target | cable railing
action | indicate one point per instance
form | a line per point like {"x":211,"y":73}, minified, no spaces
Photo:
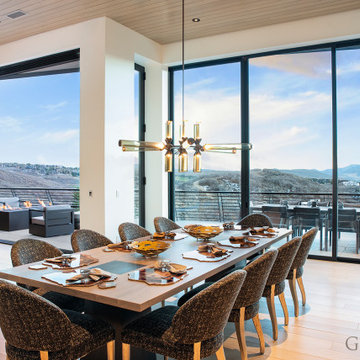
{"x":225,"y":205}
{"x":191,"y":205}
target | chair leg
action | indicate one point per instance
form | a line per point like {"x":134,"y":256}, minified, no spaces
{"x":125,"y":351}
{"x":285,"y":309}
{"x":271,"y":307}
{"x":110,"y":350}
{"x":260,"y":333}
{"x":292,"y":284}
{"x":240,"y":333}
{"x":44,"y":355}
{"x":302,"y":290}
{"x":220,"y":354}
{"x":197,"y":349}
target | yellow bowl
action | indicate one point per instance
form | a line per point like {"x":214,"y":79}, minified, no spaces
{"x":150,"y":248}
{"x":203,"y":232}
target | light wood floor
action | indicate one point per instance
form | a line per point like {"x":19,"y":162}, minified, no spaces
{"x":330,"y":317}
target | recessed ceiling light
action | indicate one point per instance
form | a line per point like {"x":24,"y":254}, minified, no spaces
{"x":16,"y":14}
{"x":196,"y":20}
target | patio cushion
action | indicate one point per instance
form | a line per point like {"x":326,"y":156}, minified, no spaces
{"x":39,"y":220}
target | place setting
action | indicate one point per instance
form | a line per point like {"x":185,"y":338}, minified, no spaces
{"x":207,"y":253}
{"x":163,"y":272}
{"x":69,"y":261}
{"x":82,"y":277}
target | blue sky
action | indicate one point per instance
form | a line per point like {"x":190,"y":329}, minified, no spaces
{"x":39,"y":119}
{"x":290,"y":109}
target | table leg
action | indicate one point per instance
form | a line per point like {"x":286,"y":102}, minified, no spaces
{"x":118,"y":318}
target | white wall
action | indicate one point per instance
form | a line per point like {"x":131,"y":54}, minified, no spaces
{"x":335,"y":27}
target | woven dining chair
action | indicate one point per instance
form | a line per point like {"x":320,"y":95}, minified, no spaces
{"x":193,"y":331}
{"x":297,"y":268}
{"x":34,"y":328}
{"x":84,"y":239}
{"x":164,"y":224}
{"x":26,"y":251}
{"x":129,"y":231}
{"x":246,"y":305}
{"x":253,"y":220}
{"x":275,"y":284}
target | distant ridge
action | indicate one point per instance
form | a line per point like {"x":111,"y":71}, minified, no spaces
{"x":351,"y":172}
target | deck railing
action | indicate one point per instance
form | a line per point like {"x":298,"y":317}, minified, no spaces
{"x":190,"y":205}
{"x":58,"y":196}
{"x":225,"y":205}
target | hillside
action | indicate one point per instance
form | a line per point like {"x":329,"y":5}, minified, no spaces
{"x":34,"y":175}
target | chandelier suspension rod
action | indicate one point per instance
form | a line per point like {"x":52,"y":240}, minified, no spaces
{"x":183,"y":57}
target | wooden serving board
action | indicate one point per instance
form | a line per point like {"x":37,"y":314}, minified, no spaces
{"x":203,"y":256}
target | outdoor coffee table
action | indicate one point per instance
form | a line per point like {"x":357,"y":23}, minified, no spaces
{"x":16,"y":219}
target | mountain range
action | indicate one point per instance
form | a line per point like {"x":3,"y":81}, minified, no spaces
{"x":351,"y":172}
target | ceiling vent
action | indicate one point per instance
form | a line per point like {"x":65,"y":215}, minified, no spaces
{"x":16,"y":14}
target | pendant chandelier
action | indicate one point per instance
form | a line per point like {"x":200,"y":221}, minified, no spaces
{"x":184,"y":142}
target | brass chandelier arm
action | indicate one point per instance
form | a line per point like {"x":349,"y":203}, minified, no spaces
{"x":227,"y":147}
{"x":136,"y":145}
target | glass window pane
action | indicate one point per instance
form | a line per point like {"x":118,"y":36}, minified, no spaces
{"x":348,"y":86}
{"x":212,"y":98}
{"x":290,"y":129}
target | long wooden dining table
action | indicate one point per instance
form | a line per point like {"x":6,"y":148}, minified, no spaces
{"x":129,"y":299}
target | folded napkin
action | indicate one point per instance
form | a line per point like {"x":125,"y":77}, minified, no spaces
{"x":124,"y":245}
{"x":214,"y":250}
{"x":63,"y":259}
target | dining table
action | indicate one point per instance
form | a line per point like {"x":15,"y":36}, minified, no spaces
{"x":130,"y":299}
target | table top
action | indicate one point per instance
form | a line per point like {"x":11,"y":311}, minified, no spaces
{"x":138,"y":296}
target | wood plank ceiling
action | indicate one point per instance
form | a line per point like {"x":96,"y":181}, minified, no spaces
{"x":160,"y":20}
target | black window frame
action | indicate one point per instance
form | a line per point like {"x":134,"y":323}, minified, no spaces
{"x":142,"y":130}
{"x":243,"y":60}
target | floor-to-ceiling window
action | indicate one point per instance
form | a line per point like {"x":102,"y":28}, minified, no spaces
{"x":301,"y":112}
{"x":212,"y":100}
{"x":348,"y":109}
{"x":290,"y":129}
{"x":40,"y":127}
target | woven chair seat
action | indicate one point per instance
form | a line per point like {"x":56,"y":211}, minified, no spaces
{"x":299,"y":273}
{"x":279,"y":289}
{"x":250,"y":312}
{"x":148,"y":333}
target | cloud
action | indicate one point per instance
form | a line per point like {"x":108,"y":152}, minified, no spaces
{"x":314,"y":64}
{"x":9,"y":123}
{"x":52,"y":107}
{"x":59,"y":137}
{"x":275,"y":108}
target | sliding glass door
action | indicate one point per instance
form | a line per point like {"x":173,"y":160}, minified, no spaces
{"x":290,"y":129}
{"x":348,"y":96}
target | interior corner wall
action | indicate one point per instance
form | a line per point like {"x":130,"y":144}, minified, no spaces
{"x":123,"y":48}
